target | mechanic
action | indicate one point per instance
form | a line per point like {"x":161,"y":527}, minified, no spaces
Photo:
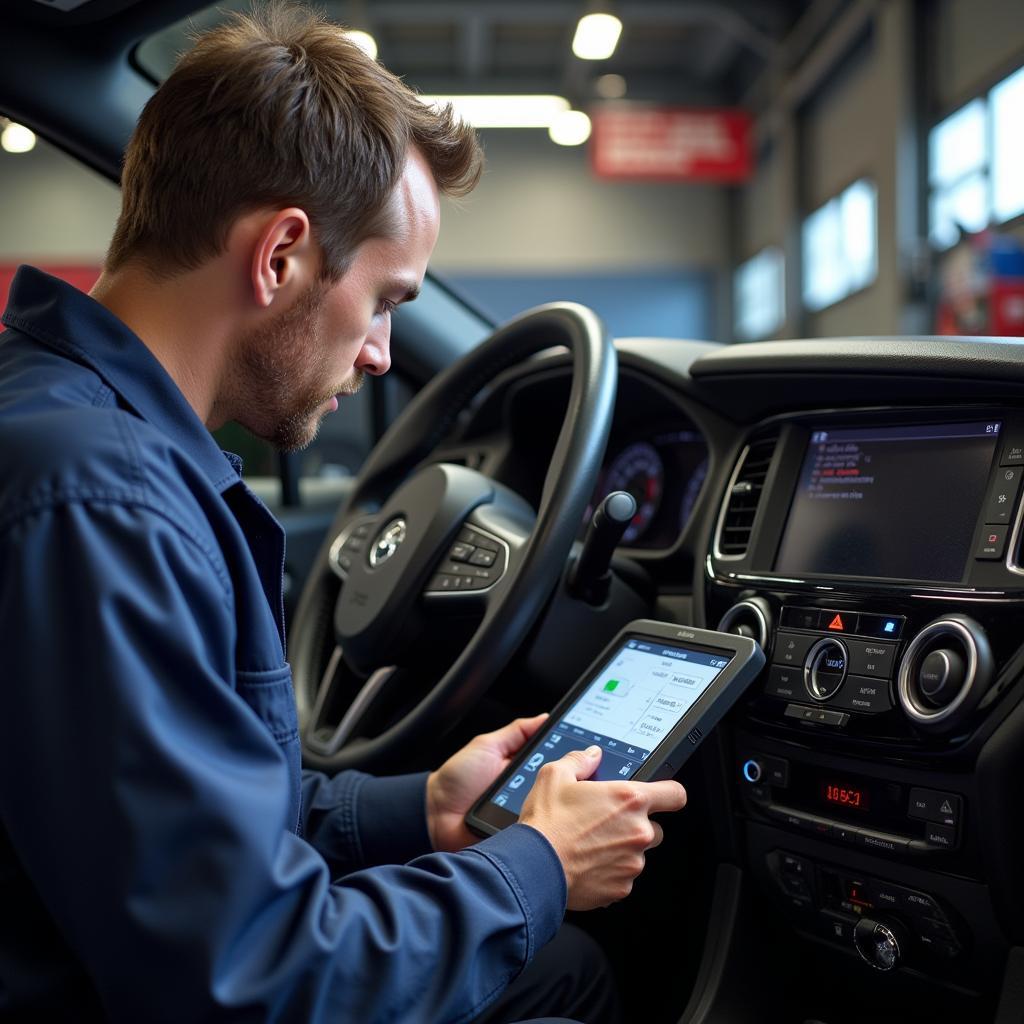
{"x":162,"y":855}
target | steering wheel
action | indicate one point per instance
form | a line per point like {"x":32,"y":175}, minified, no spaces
{"x":418,"y":540}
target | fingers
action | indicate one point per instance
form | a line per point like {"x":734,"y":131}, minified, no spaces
{"x":663,"y":796}
{"x":510,"y":738}
{"x":582,"y":763}
{"x":659,"y":835}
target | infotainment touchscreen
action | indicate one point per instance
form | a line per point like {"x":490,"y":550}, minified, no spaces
{"x":888,"y":502}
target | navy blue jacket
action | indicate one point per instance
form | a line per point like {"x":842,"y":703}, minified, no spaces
{"x":162,"y":854}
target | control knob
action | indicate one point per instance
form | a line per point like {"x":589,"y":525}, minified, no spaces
{"x":882,"y":942}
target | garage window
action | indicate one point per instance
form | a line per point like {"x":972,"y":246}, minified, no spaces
{"x":840,"y":246}
{"x":975,"y":157}
{"x":759,"y":295}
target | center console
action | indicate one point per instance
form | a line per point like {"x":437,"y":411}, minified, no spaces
{"x":876,"y":557}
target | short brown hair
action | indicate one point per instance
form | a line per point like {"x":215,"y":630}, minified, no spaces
{"x":277,"y":107}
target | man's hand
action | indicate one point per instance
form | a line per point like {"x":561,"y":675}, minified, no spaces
{"x":599,"y":830}
{"x":462,"y":779}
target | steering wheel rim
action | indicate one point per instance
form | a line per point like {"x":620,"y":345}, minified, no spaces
{"x":539,"y":558}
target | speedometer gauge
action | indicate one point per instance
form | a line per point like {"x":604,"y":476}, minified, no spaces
{"x":638,"y":470}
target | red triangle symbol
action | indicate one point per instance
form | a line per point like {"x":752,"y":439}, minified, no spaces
{"x":837,"y":623}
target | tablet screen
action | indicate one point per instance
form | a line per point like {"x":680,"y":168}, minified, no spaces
{"x":628,"y":708}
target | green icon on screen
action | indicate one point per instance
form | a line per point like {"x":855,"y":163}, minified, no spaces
{"x":609,"y":687}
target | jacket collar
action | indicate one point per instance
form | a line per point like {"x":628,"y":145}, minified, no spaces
{"x":76,"y":326}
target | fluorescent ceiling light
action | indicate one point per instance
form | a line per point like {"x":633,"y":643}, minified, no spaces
{"x":16,"y":138}
{"x":596,"y":36}
{"x":364,"y":41}
{"x":504,"y":111}
{"x":570,"y":128}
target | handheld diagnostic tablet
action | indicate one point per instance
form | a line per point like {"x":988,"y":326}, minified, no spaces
{"x":648,"y":700}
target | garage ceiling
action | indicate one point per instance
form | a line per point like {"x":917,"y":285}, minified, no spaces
{"x":671,"y":51}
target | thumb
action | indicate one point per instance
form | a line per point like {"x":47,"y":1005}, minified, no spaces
{"x":510,"y":738}
{"x":583,"y":763}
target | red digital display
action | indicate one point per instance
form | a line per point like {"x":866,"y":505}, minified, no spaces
{"x":841,"y":795}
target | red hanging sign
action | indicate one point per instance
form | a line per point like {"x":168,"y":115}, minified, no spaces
{"x":671,"y":144}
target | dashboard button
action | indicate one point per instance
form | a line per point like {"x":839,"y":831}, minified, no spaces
{"x":801,"y":618}
{"x":991,"y":543}
{"x":933,"y":805}
{"x":865,"y":694}
{"x":1003,"y":495}
{"x":776,"y":771}
{"x":920,"y":903}
{"x":885,"y":895}
{"x":885,"y":627}
{"x":941,"y":836}
{"x":839,"y":622}
{"x":1013,"y":452}
{"x":787,"y":683}
{"x":792,"y":648}
{"x":870,"y":659}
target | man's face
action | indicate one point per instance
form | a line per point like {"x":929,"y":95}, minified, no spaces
{"x":294,"y":369}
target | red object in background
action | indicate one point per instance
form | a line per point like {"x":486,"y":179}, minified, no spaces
{"x":982,"y":287}
{"x":81,"y":276}
{"x":671,"y":144}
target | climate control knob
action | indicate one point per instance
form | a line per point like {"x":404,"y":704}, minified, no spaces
{"x":882,"y":942}
{"x":825,"y":668}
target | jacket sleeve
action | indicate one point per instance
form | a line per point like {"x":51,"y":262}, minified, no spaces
{"x":355,"y":820}
{"x":149,"y":806}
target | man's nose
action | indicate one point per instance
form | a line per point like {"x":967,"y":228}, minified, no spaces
{"x":375,"y":355}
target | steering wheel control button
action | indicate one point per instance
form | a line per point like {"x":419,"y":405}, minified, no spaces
{"x":791,"y":648}
{"x":786,"y":683}
{"x":825,"y":668}
{"x":869,"y":659}
{"x":932,"y":805}
{"x":865,"y":694}
{"x":349,"y":543}
{"x":473,"y":563}
{"x":991,"y":544}
{"x":752,"y":770}
{"x":478,"y":540}
{"x":800,"y":618}
{"x":461,"y":552}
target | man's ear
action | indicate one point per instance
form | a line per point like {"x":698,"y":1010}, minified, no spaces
{"x":285,"y":258}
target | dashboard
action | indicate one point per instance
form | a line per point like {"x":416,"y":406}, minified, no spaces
{"x":855,"y":507}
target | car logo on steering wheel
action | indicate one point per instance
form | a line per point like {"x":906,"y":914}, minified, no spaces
{"x":387,"y":542}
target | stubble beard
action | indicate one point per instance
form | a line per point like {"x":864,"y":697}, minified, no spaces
{"x":282,"y":367}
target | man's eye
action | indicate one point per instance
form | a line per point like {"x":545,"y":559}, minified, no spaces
{"x":387,"y":307}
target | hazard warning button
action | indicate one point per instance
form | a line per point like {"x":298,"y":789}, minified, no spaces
{"x":931,"y":805}
{"x":839,"y":622}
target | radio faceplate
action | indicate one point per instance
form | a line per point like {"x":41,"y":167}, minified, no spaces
{"x":877,"y":815}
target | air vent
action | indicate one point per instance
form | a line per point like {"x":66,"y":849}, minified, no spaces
{"x":744,"y":494}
